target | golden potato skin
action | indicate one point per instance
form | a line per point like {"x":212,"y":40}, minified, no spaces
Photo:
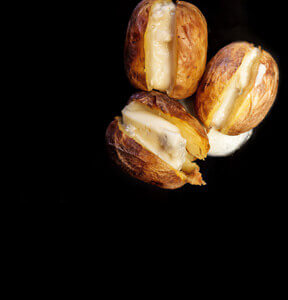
{"x":219,"y":71}
{"x":134,"y":54}
{"x":144,"y":165}
{"x":192,"y":43}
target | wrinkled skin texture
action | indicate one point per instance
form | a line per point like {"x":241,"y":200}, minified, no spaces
{"x":258,"y":100}
{"x":142,"y":164}
{"x":191,"y":44}
{"x":134,"y":55}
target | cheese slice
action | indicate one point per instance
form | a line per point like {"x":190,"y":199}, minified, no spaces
{"x":155,"y":134}
{"x":236,"y":88}
{"x":160,"y":59}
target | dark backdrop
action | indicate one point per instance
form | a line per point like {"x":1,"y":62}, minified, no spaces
{"x":258,"y":169}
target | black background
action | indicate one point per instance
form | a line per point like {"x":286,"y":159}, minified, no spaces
{"x":258,"y":169}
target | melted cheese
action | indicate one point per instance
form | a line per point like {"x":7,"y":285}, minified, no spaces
{"x":224,"y":145}
{"x":159,"y":50}
{"x":235,"y":89}
{"x":260,"y":74}
{"x":155,"y":133}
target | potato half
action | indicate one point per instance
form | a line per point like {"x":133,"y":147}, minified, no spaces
{"x":238,"y":88}
{"x":166,"y":47}
{"x":156,"y":141}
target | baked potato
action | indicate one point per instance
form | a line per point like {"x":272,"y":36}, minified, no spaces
{"x":238,"y":88}
{"x":166,"y":47}
{"x":157,"y":141}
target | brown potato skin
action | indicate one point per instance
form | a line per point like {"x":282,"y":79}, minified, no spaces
{"x":134,"y":54}
{"x":191,"y":41}
{"x":218,"y":73}
{"x":144,"y":165}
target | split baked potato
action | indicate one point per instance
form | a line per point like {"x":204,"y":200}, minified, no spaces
{"x":238,"y":88}
{"x":166,"y":47}
{"x":157,"y":141}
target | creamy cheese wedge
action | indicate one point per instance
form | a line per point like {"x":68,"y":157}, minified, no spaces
{"x":160,"y":46}
{"x":155,"y":134}
{"x":236,"y":88}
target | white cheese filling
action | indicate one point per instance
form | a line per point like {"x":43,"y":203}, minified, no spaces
{"x":260,"y":74}
{"x":224,"y":145}
{"x":155,"y":133}
{"x":159,"y":55}
{"x":235,"y":89}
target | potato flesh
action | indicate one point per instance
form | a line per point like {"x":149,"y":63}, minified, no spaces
{"x":224,"y":145}
{"x":160,"y":57}
{"x":155,"y":134}
{"x":235,"y":89}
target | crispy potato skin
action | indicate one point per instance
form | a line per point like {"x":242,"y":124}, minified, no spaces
{"x":134,"y":54}
{"x":192,"y":43}
{"x":159,"y":101}
{"x":144,"y":165}
{"x":219,"y":71}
